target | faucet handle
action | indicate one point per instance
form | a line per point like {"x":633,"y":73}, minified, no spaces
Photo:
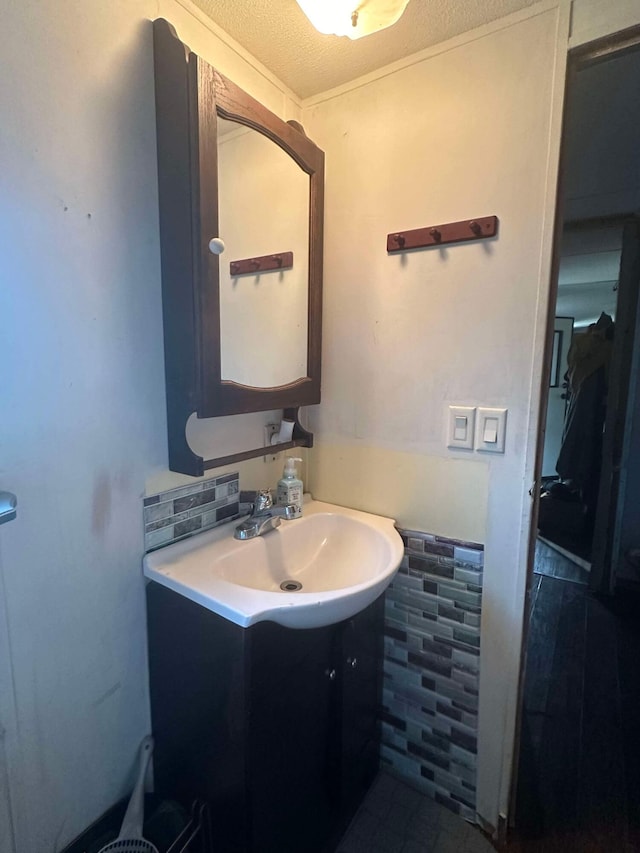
{"x":263,"y":500}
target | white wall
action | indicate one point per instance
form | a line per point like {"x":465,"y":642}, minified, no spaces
{"x":470,"y":129}
{"x":82,"y":387}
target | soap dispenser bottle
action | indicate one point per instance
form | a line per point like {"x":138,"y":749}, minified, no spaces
{"x":290,"y":486}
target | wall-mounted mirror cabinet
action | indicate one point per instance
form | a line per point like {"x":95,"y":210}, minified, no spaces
{"x":242,"y":329}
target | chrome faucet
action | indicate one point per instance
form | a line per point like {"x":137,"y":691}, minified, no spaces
{"x":264,"y":517}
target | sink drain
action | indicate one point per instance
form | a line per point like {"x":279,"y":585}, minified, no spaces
{"x":290,"y":586}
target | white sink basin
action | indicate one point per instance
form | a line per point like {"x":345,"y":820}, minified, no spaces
{"x":343,"y":558}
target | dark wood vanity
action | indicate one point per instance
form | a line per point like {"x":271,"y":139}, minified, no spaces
{"x":276,"y":728}
{"x":198,"y":109}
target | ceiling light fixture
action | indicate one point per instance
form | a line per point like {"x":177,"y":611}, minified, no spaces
{"x":352,"y":18}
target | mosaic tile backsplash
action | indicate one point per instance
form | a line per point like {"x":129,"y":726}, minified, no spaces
{"x":187,"y":510}
{"x":431,"y":668}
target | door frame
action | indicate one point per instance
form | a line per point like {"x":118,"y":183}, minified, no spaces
{"x":602,"y":577}
{"x":8,"y":722}
{"x":577,"y":58}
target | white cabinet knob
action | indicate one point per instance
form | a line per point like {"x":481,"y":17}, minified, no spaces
{"x":216,"y":246}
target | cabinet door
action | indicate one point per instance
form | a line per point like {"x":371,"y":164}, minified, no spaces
{"x":198,"y":699}
{"x":294,"y":738}
{"x":361,"y":652}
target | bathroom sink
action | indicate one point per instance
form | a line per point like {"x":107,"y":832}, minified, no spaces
{"x":315,"y":570}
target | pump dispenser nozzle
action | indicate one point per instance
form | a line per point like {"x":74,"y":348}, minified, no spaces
{"x":290,"y":466}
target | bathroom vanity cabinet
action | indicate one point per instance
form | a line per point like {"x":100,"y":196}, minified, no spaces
{"x":276,"y":728}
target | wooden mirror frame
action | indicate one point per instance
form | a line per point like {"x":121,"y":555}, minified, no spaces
{"x":190,"y":95}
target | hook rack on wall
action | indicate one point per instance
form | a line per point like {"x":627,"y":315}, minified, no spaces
{"x":265,"y":263}
{"x":439,"y":235}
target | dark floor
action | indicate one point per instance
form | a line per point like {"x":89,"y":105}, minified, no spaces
{"x":395,"y":818}
{"x":579,"y":772}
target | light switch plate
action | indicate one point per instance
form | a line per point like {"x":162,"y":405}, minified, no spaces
{"x":461,"y":427}
{"x":491,"y":430}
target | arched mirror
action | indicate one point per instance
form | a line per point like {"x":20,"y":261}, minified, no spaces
{"x":263,"y":212}
{"x":242,"y":329}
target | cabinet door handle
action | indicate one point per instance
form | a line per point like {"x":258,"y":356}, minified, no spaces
{"x":353,"y":662}
{"x":331,"y":674}
{"x":8,"y":505}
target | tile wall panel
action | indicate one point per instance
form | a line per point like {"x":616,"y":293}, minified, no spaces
{"x":431,"y":668}
{"x":187,"y":510}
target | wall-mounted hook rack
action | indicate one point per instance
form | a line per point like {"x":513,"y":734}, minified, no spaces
{"x":479,"y":228}
{"x":265,"y":263}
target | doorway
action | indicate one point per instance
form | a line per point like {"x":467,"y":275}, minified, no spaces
{"x":577,"y":774}
{"x":583,"y":341}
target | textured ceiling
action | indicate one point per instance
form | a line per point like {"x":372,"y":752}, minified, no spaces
{"x":278,"y":34}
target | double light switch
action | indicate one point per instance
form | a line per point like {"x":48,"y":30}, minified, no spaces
{"x":482,"y":428}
